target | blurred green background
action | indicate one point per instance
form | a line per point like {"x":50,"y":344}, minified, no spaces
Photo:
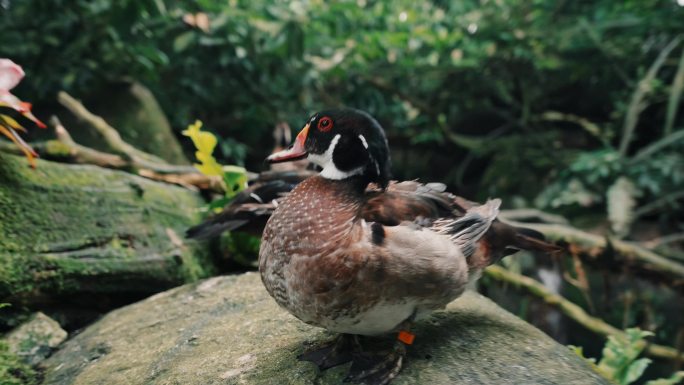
{"x":573,"y":107}
{"x":467,"y":90}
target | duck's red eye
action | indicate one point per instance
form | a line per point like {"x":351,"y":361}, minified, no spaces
{"x":325,"y":124}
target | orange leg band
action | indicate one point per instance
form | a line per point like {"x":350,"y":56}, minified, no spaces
{"x":406,"y":337}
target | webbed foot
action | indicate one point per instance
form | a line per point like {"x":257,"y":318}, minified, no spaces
{"x":377,"y":368}
{"x":337,"y":352}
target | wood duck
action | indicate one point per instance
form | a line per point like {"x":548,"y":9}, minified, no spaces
{"x":354,"y":253}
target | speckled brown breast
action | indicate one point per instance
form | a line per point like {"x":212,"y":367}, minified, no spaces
{"x":309,"y":252}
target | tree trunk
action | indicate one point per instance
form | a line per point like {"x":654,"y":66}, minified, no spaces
{"x":74,"y":229}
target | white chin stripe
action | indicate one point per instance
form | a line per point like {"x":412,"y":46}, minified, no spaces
{"x":325,"y":160}
{"x":363,"y":140}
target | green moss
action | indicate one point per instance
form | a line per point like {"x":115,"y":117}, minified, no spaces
{"x":57,"y":148}
{"x":63,"y":226}
{"x":13,"y":371}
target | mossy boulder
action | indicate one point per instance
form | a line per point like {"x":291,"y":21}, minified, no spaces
{"x":34,"y":340}
{"x":83,"y":230}
{"x":227,"y":330}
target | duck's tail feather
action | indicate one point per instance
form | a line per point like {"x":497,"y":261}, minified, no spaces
{"x":467,"y":230}
{"x":533,"y":240}
{"x":504,"y":240}
{"x":213,"y":227}
{"x":248,"y":217}
{"x":248,"y":211}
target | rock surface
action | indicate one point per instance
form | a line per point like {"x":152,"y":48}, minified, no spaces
{"x":227,"y":330}
{"x":34,"y":340}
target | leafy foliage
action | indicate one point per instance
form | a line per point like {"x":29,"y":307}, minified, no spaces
{"x":205,"y":142}
{"x":240,"y":247}
{"x":619,"y":361}
{"x":650,"y":175}
{"x":234,"y":177}
{"x":479,"y":76}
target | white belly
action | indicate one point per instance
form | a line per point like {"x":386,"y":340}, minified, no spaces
{"x":380,"y":319}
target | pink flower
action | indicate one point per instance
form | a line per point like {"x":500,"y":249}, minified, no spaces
{"x":10,"y":75}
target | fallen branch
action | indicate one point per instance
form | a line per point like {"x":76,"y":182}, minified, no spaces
{"x":82,"y":154}
{"x":139,"y":159}
{"x":142,"y":163}
{"x":665,"y":239}
{"x":65,"y":149}
{"x":108,"y":133}
{"x":588,"y":126}
{"x":520,"y":215}
{"x":190,"y":180}
{"x":659,"y":203}
{"x":643,"y":262}
{"x":574,"y":311}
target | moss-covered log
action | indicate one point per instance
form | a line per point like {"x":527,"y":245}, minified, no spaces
{"x":67,"y":229}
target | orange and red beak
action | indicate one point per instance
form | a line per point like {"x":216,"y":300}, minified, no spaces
{"x":294,"y":152}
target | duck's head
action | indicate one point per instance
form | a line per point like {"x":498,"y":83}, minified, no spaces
{"x":345,"y":143}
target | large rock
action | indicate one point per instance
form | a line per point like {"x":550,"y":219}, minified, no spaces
{"x":227,"y":330}
{"x":34,"y":340}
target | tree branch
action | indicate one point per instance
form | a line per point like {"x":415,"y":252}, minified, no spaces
{"x":64,"y":148}
{"x":522,"y":214}
{"x":593,"y":248}
{"x":574,"y":311}
{"x":139,"y":159}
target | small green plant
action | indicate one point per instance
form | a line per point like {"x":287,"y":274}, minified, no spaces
{"x":240,"y":247}
{"x":234,"y":177}
{"x":620,"y":362}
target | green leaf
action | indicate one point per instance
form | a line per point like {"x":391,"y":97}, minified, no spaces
{"x":218,"y":204}
{"x":183,"y":41}
{"x":205,"y":142}
{"x":619,"y":355}
{"x":635,"y":370}
{"x":235,"y":179}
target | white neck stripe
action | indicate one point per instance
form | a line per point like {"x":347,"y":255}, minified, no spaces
{"x":325,"y":160}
